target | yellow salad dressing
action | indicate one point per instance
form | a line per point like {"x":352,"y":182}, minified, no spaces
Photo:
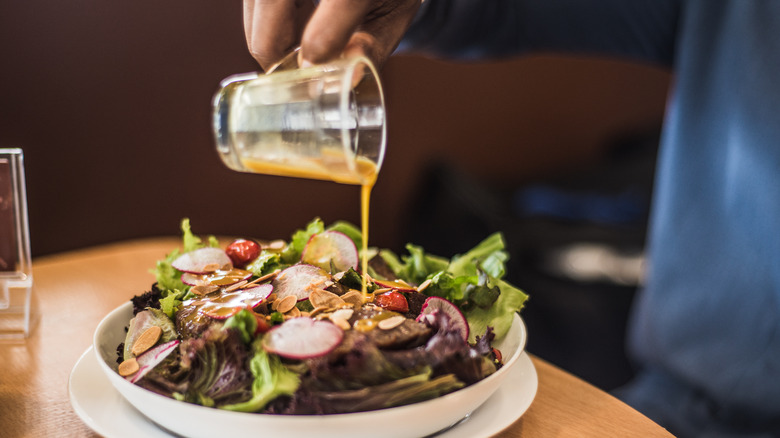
{"x":332,"y":166}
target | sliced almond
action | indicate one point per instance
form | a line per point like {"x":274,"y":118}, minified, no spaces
{"x":269,"y":276}
{"x":128,"y":367}
{"x":286,"y":304}
{"x":354,"y":297}
{"x":323,"y":298}
{"x":383,"y":290}
{"x":147,"y":340}
{"x":204,"y":289}
{"x":236,"y":286}
{"x":211,"y":267}
{"x":294,"y":313}
{"x":253,"y":282}
{"x":391,"y":323}
{"x":341,"y":323}
{"x":424,"y":285}
{"x":318,"y":310}
{"x":275,"y":303}
{"x":344,"y":314}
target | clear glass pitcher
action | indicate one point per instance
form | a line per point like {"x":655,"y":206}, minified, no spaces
{"x":324,"y":122}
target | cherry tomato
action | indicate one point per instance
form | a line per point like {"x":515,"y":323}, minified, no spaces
{"x":497,"y":354}
{"x":242,"y":251}
{"x":262,"y":324}
{"x":393,"y":301}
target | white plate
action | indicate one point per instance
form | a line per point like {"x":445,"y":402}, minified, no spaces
{"x":106,"y":412}
{"x":192,"y":420}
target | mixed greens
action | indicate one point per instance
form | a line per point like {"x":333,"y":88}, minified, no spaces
{"x":294,"y":327}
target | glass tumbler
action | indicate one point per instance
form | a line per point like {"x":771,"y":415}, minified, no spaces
{"x":323,"y":122}
{"x":15,"y":263}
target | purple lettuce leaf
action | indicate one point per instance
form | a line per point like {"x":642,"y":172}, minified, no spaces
{"x":217,"y":368}
{"x":447,"y":353}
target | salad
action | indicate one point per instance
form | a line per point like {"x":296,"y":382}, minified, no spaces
{"x":293,"y":327}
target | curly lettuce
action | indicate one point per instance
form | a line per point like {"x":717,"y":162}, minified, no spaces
{"x":168,"y":277}
{"x":172,"y":289}
{"x":472,"y":280}
{"x":292,"y":253}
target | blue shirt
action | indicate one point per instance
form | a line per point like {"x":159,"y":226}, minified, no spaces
{"x":708,"y":319}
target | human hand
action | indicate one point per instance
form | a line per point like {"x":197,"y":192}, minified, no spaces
{"x":372,"y":28}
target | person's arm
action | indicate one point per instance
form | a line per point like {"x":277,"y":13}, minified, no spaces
{"x":460,"y":28}
{"x":471,"y":29}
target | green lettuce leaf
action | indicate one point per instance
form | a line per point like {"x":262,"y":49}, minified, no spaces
{"x":243,"y":322}
{"x":452,"y":288}
{"x":500,"y":315}
{"x":171,"y":301}
{"x":292,"y":254}
{"x":190,"y":241}
{"x":265,"y":263}
{"x":415,"y":267}
{"x":392,"y":260}
{"x":489,"y":255}
{"x":168,"y":277}
{"x":472,"y":281}
{"x":350,"y":230}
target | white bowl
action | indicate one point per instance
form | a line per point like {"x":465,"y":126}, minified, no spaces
{"x":415,"y":420}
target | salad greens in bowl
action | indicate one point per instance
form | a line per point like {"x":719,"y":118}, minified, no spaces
{"x":292,"y":336}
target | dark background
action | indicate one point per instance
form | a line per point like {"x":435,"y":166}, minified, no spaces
{"x":110,"y":101}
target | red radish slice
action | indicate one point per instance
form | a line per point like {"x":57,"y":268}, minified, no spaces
{"x":228,"y":304}
{"x":216,"y":278}
{"x":303,"y":338}
{"x":396,"y":284}
{"x":300,"y":280}
{"x":199,"y":260}
{"x":151,"y":358}
{"x":438,"y":304}
{"x":331,"y":247}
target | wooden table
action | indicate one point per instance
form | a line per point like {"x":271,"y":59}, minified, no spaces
{"x":74,"y":291}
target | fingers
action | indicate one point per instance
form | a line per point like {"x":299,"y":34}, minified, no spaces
{"x":353,"y":27}
{"x":357,"y":27}
{"x":379,"y":36}
{"x":331,"y":27}
{"x":272,"y":28}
